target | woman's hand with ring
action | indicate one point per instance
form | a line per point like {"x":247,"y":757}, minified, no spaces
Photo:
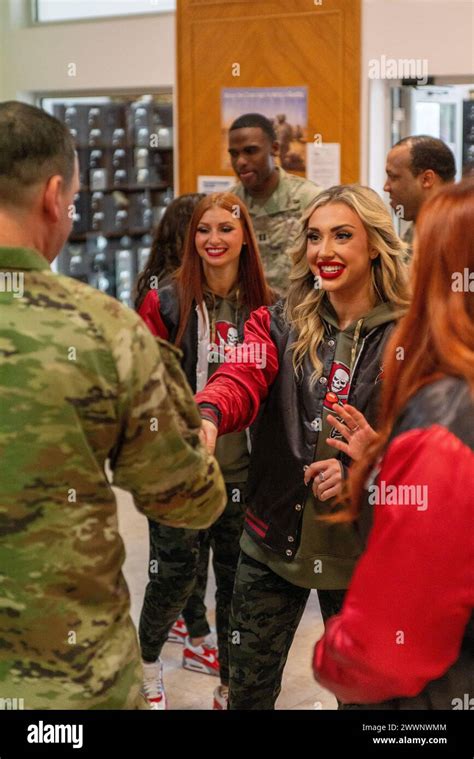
{"x":327,"y":478}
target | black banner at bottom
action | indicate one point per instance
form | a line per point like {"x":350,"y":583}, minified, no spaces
{"x":61,"y":734}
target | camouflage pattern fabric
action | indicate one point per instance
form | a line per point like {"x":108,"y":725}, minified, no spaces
{"x":266,"y":611}
{"x":276,"y":223}
{"x":174,"y":558}
{"x":81,"y":376}
{"x":194,"y":612}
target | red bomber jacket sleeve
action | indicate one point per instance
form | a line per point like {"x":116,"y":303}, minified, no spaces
{"x":239,"y":386}
{"x":150,"y":313}
{"x":412,"y":592}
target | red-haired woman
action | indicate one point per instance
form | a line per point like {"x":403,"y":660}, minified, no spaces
{"x":404,"y":638}
{"x":202,"y":311}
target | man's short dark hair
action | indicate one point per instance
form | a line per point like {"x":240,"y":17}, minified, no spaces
{"x":430,"y":153}
{"x":255,"y":120}
{"x":33,"y":147}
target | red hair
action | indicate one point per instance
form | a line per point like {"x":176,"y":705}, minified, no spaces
{"x":435,"y":338}
{"x":190,"y":275}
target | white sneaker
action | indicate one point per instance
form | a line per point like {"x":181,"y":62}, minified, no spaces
{"x":203,"y":658}
{"x":178,"y":632}
{"x":152,"y":686}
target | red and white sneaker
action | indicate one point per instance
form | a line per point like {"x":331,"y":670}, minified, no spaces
{"x":152,"y":686}
{"x":178,"y":633}
{"x":221,"y":698}
{"x":202,"y":658}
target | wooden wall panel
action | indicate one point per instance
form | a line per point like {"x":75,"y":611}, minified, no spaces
{"x":277,"y":44}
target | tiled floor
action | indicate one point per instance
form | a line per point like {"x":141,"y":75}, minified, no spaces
{"x":189,"y":690}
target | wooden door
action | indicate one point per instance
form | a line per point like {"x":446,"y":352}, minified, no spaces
{"x":266,"y":43}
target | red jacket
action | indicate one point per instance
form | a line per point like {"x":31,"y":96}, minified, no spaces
{"x":406,"y":616}
{"x":150,"y":313}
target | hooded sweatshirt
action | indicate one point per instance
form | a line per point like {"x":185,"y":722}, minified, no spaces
{"x":232,"y":451}
{"x":333,"y":548}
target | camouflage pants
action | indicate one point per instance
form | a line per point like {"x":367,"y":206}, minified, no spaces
{"x":266,"y":611}
{"x":174,"y":562}
{"x":194,"y":612}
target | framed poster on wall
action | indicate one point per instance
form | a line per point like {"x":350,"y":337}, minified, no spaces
{"x":286,"y":107}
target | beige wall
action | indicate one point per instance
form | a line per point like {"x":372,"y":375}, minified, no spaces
{"x":442,"y":31}
{"x":127,"y":53}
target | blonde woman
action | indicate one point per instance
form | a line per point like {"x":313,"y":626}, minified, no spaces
{"x":322,"y":347}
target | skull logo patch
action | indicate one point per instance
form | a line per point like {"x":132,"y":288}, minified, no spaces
{"x":338,"y":385}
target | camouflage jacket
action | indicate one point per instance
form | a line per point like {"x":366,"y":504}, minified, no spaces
{"x":276,"y":223}
{"x":83,"y":381}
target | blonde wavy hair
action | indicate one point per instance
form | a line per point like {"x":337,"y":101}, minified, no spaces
{"x":389,"y":273}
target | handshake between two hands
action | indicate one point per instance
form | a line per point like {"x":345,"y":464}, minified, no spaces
{"x":208,"y":436}
{"x":327,"y":475}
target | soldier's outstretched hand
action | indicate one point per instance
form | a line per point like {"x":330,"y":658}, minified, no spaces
{"x":208,"y":435}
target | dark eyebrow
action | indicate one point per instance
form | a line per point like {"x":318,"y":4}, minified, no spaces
{"x":245,"y":147}
{"x":333,"y":229}
{"x":220,"y":223}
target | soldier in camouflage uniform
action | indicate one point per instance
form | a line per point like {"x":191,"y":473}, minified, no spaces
{"x":275,"y":199}
{"x":81,"y":381}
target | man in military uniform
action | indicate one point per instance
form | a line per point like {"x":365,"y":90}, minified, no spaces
{"x":275,"y":199}
{"x":82,"y":381}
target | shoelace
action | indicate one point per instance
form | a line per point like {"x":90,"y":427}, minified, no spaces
{"x":153,"y":686}
{"x":209,"y":643}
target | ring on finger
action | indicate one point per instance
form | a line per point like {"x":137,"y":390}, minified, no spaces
{"x":321,"y":476}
